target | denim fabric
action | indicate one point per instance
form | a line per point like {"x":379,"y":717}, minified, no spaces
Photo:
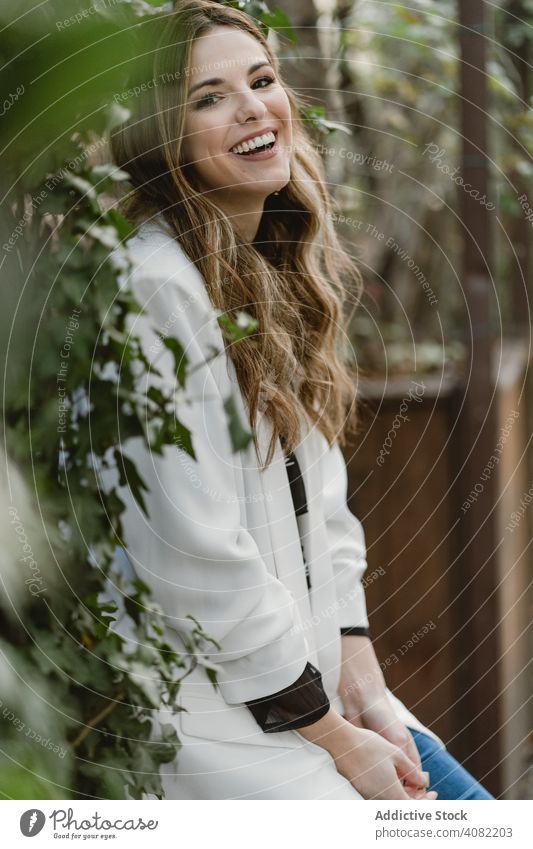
{"x":446,"y":775}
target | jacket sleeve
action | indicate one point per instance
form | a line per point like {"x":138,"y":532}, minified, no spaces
{"x":193,"y":552}
{"x":296,"y":706}
{"x":346,"y":543}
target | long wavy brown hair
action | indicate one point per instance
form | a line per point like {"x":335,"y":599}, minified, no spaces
{"x":295,"y":278}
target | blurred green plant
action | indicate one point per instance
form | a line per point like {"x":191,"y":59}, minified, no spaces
{"x":78,"y":699}
{"x":268,"y":19}
{"x":398,"y":74}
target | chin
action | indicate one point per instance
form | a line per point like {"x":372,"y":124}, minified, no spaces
{"x":267,"y":187}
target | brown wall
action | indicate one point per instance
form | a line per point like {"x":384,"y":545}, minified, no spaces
{"x":405,"y":507}
{"x":410,"y":505}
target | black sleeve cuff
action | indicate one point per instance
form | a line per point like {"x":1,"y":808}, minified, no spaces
{"x":296,"y":706}
{"x":355,"y":632}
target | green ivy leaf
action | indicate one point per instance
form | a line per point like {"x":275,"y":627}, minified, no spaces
{"x":180,"y":357}
{"x":130,"y":477}
{"x":278,"y":21}
{"x":122,"y":225}
{"x":238,"y":328}
{"x":240,"y":436}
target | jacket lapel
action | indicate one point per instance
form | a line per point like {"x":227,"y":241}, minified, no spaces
{"x":314,"y":537}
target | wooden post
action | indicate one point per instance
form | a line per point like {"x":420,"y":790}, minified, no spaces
{"x":521,"y":55}
{"x":476,"y":576}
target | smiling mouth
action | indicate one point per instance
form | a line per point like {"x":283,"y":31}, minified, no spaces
{"x":264,"y":147}
{"x":259,"y":144}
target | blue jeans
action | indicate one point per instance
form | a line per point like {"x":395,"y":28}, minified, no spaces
{"x":446,"y":775}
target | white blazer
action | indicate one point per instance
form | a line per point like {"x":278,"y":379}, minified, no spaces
{"x":221,"y":542}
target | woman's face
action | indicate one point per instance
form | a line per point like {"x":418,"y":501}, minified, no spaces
{"x":233,"y":94}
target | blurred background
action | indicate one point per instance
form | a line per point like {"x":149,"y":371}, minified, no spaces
{"x":423,"y":116}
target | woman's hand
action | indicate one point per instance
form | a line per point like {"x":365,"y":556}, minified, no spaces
{"x":379,"y":716}
{"x":379,"y":770}
{"x":363,"y":693}
{"x":376,"y":768}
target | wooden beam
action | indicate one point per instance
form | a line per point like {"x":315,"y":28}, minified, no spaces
{"x":476,"y":576}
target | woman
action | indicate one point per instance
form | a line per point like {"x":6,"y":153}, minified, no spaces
{"x":258,"y":545}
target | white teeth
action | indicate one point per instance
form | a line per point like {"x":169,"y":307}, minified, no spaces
{"x":251,"y":144}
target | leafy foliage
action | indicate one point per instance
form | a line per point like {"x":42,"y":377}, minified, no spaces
{"x":86,"y":659}
{"x":398,"y":182}
{"x":268,"y":19}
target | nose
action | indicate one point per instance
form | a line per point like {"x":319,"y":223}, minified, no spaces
{"x":248,"y":105}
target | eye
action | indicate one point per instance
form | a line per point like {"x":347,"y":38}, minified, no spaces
{"x":206,"y":100}
{"x":209,"y":99}
{"x":269,"y":81}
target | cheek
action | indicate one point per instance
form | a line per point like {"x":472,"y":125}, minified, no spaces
{"x":207,"y":137}
{"x":282,"y":107}
{"x":195,"y":146}
{"x":205,"y":150}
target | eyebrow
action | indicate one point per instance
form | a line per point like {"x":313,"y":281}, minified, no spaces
{"x":219,"y":80}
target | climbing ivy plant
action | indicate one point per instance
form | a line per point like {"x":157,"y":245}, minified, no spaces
{"x":77,"y":699}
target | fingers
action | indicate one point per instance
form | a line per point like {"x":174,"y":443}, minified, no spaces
{"x":404,"y":741}
{"x":423,"y":786}
{"x":420,"y":794}
{"x":407,"y":772}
